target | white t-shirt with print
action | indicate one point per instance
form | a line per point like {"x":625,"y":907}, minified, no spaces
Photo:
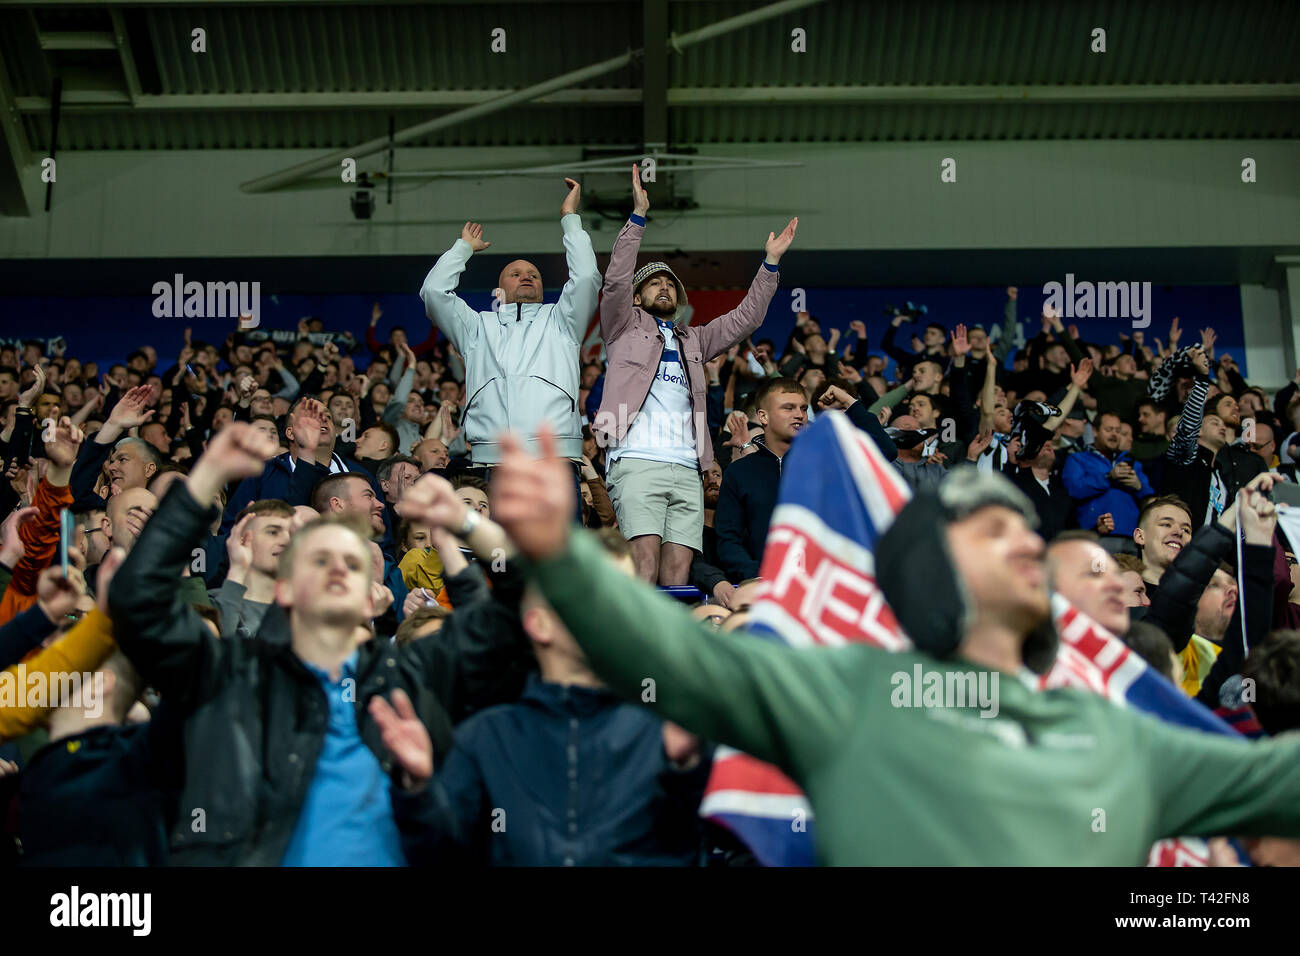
{"x":664,"y":430}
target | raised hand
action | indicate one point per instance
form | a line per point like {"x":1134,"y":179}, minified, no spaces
{"x":849,"y":373}
{"x":1200,"y":361}
{"x":738,"y":429}
{"x":241,"y":554}
{"x":472,"y":233}
{"x":640,"y":201}
{"x":247,"y":386}
{"x":570,"y":204}
{"x":57,"y":595}
{"x":132,"y":410}
{"x":836,"y":398}
{"x":405,"y":737}
{"x":532,"y":498}
{"x":979,"y":444}
{"x":308,"y":423}
{"x":1258,"y":513}
{"x":62,"y":449}
{"x":431,"y":500}
{"x":777,"y":245}
{"x":960,"y":344}
{"x":1105,"y":523}
{"x":237,"y":451}
{"x":1175,"y":333}
{"x":1208,"y":338}
{"x":375,"y":313}
{"x":449,"y":430}
{"x":860,"y":327}
{"x":28,"y":398}
{"x":12,"y":548}
{"x":1079,"y":376}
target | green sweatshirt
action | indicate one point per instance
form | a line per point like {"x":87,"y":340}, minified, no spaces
{"x":1060,"y":777}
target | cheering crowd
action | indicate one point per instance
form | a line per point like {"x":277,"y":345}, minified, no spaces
{"x":294,"y":599}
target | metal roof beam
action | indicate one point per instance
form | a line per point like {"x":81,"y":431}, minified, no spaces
{"x":958,"y":94}
{"x":112,"y":99}
{"x":97,"y":100}
{"x":77,"y":40}
{"x":332,"y":160}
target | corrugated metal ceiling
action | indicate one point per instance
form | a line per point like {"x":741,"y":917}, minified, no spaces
{"x":364,"y":48}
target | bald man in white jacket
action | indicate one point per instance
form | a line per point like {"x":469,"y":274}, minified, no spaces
{"x":521,"y":360}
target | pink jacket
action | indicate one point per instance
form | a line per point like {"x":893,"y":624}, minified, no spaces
{"x":634,"y":345}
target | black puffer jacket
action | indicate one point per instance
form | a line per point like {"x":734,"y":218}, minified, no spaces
{"x":1173,"y":609}
{"x":255,"y":718}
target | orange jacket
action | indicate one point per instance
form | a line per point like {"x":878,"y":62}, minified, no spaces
{"x":40,"y":538}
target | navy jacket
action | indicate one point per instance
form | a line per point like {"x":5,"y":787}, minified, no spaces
{"x":745,"y":504}
{"x":293,"y":485}
{"x":749,"y":493}
{"x":104,"y":797}
{"x":567,"y":776}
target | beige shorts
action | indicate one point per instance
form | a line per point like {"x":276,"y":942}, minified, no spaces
{"x":655,"y":497}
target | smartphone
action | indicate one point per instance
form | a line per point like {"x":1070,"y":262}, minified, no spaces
{"x":66,"y":530}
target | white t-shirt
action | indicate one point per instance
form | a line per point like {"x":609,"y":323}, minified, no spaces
{"x":663,"y":430}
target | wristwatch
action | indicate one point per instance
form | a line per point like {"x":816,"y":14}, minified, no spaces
{"x":472,"y":519}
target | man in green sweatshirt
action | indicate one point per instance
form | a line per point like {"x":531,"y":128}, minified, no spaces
{"x":894,"y":776}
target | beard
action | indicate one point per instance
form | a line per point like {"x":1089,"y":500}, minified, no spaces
{"x":711,"y":497}
{"x":660,"y":309}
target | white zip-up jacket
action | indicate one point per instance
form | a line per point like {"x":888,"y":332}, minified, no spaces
{"x":521,"y":363}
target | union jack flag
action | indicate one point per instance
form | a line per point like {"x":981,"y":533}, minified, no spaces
{"x":838,"y":497}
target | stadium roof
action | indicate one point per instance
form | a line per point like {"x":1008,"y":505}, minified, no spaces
{"x":331,"y":74}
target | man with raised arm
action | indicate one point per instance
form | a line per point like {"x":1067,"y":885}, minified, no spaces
{"x":285,"y":766}
{"x":653,"y":414}
{"x":521,"y":359}
{"x":1013,"y":784}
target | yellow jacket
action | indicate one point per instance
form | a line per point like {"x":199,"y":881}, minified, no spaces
{"x":81,"y":651}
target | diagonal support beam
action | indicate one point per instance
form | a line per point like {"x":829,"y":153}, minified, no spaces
{"x":13,"y":151}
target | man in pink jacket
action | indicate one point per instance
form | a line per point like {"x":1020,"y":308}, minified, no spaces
{"x":653,"y":416}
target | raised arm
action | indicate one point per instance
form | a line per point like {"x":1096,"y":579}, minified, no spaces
{"x":447,"y":310}
{"x":772,"y":701}
{"x":482,"y":655}
{"x":616,"y":309}
{"x":1182,"y":449}
{"x":157,"y":629}
{"x":1078,"y":382}
{"x":1007,"y":340}
{"x":726,"y":330}
{"x":577,"y":302}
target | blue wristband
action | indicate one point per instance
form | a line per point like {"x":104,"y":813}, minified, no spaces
{"x":768,"y":266}
{"x":639,"y":220}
